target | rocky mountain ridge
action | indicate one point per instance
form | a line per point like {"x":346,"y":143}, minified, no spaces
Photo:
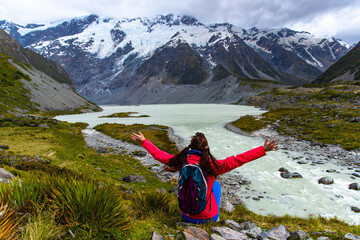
{"x":347,"y":68}
{"x":111,"y":58}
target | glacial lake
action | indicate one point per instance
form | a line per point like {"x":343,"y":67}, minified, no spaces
{"x":299,"y":197}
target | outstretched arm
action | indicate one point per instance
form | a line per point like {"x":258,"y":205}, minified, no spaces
{"x":233,"y":162}
{"x":159,"y":155}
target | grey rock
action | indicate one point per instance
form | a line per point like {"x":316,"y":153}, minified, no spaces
{"x":247,"y":225}
{"x":5,"y":176}
{"x":253,"y":232}
{"x":326,"y":180}
{"x":6,"y":147}
{"x":244,"y":182}
{"x":230,"y":234}
{"x":298,"y":235}
{"x":216,"y":237}
{"x":156,"y":236}
{"x":355,"y":174}
{"x":133,"y":178}
{"x":43,"y":126}
{"x":351,"y":236}
{"x":227,"y":205}
{"x":355,"y":209}
{"x":194,"y":233}
{"x":234,"y":225}
{"x":263,"y":235}
{"x":302,"y":162}
{"x":282,"y":169}
{"x":323,"y":238}
{"x":288,"y":175}
{"x":357,"y":119}
{"x":278,"y":233}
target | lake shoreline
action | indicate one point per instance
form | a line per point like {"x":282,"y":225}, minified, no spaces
{"x":288,"y":143}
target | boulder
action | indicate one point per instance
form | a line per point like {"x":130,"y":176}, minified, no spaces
{"x":288,"y":175}
{"x":355,"y":209}
{"x":43,"y":126}
{"x":216,"y":237}
{"x":355,"y":174}
{"x":228,"y":233}
{"x":302,"y":162}
{"x":354,"y":120}
{"x":298,"y":235}
{"x":234,"y":225}
{"x":323,"y":238}
{"x":247,"y":225}
{"x":193,"y":233}
{"x":133,"y":178}
{"x":156,"y":236}
{"x":326,"y":180}
{"x":253,"y":232}
{"x":351,"y":236}
{"x":354,"y":186}
{"x":278,"y":233}
{"x":5,"y":176}
{"x":282,"y":169}
{"x":227,"y":205}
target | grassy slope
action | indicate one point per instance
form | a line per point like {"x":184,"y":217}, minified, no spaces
{"x":315,"y":113}
{"x":12,"y":93}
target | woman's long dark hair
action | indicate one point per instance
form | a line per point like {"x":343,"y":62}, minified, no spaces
{"x":207,"y":161}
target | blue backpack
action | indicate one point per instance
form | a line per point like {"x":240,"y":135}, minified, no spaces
{"x":192,"y":189}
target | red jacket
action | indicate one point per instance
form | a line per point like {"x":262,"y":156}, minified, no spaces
{"x":226,"y":165}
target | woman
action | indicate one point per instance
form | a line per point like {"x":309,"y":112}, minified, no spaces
{"x":198,"y":152}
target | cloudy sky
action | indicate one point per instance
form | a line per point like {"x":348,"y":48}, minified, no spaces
{"x":338,"y":18}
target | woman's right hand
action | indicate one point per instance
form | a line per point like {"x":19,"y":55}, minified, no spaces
{"x":137,"y":137}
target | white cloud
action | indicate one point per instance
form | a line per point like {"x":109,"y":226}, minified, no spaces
{"x":321,"y":17}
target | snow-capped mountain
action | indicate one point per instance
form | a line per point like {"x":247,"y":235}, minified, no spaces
{"x":110,"y":60}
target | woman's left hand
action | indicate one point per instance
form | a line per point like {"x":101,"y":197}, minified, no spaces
{"x":137,"y":137}
{"x":270,"y":146}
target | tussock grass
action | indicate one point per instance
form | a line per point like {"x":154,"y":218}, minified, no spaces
{"x":42,"y":226}
{"x":153,"y":202}
{"x":25,"y":194}
{"x":8,"y":222}
{"x":88,"y":204}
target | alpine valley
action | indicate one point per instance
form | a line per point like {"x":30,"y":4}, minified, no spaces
{"x":163,"y":59}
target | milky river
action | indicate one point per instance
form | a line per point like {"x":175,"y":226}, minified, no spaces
{"x":299,"y":197}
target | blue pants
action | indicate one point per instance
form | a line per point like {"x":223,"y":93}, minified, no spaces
{"x":217,"y":193}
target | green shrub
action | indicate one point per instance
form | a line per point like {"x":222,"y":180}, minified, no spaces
{"x":87,"y":204}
